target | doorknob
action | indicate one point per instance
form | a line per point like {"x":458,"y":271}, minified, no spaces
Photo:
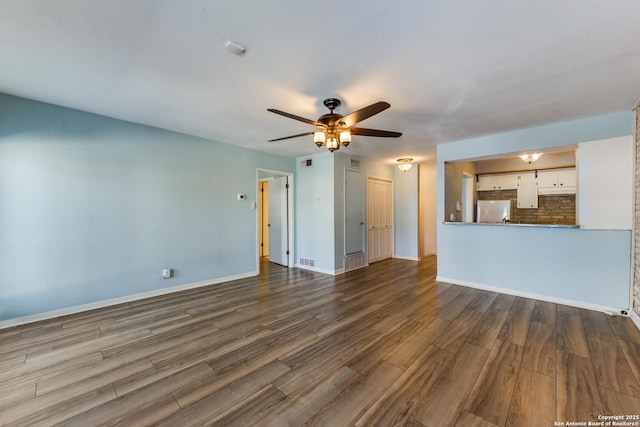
{"x":361,"y":223}
{"x":268,"y":225}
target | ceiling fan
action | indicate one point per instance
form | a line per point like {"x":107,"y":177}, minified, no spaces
{"x":335,"y":129}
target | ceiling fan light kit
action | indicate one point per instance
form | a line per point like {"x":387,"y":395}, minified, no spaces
{"x":336,"y":129}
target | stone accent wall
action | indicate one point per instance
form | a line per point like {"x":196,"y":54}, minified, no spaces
{"x":552,"y":209}
{"x":636,"y":261}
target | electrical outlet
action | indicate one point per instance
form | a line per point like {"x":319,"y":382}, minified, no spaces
{"x":167,"y":273}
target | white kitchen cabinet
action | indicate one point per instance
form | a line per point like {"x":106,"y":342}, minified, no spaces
{"x":557,"y":178}
{"x":527,"y":191}
{"x":506,"y":181}
{"x":567,"y":177}
{"x":487,"y":182}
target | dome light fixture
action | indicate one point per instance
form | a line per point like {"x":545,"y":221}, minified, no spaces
{"x":404,"y":164}
{"x":530,"y":157}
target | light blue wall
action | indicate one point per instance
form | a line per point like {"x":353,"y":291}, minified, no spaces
{"x":588,"y":266}
{"x":406,"y":215}
{"x":93,"y":208}
{"x":343,"y":160}
{"x":315,"y":211}
{"x":320,"y":206}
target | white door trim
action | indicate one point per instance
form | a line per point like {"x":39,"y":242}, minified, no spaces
{"x":290,"y":214}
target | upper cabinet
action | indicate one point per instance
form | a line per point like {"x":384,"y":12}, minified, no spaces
{"x":527,"y":194}
{"x":507,"y":181}
{"x":551,"y":181}
{"x":557,"y":178}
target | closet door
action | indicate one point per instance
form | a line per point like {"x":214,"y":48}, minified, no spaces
{"x":379,"y":220}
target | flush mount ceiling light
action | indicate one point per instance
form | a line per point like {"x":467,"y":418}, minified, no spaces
{"x":405,"y":164}
{"x":530,"y":157}
{"x":235,"y":48}
{"x":335,"y":130}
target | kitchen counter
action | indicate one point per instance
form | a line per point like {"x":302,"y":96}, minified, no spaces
{"x":510,"y":224}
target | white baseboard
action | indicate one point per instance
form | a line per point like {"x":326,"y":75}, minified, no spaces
{"x":120,"y":300}
{"x":635,"y":318}
{"x":563,"y":301}
{"x":321,"y":270}
{"x":407,"y":258}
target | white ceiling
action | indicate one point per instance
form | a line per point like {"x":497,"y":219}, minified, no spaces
{"x":450,"y":69}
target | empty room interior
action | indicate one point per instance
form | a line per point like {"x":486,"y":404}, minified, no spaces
{"x":283,"y":213}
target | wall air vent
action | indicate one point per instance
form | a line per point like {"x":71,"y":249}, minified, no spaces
{"x":308,"y":262}
{"x":355,"y":164}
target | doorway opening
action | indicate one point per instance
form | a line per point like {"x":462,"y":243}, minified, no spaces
{"x":468,"y":186}
{"x":274,"y":218}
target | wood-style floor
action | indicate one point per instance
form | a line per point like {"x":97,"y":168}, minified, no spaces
{"x":381,"y":346}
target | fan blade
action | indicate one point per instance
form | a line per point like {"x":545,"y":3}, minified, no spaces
{"x":375,"y":132}
{"x":294,"y":117}
{"x":292,"y":136}
{"x":364,"y":113}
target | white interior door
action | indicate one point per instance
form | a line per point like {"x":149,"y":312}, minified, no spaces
{"x":379,"y":220}
{"x":278,"y":221}
{"x":354,"y":212}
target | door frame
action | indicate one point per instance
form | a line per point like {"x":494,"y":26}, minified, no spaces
{"x":468,"y":185}
{"x":290,"y":215}
{"x":364,"y":211}
{"x":393,"y":212}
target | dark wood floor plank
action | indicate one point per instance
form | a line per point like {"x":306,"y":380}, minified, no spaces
{"x":467,"y":419}
{"x":346,"y":408}
{"x":251,"y":410}
{"x":309,"y":365}
{"x":624,"y":328}
{"x":217,"y":344}
{"x":405,"y":353}
{"x":310,"y":400}
{"x":53,"y":408}
{"x":544,"y":312}
{"x":382,"y":345}
{"x":483,"y":301}
{"x":157,"y":393}
{"x":27,"y":375}
{"x":487,"y":329}
{"x":397,"y":312}
{"x":452,"y":338}
{"x":576,"y":389}
{"x":534,"y":401}
{"x":94,"y":376}
{"x":209,"y":407}
{"x":631,"y":353}
{"x":396,"y":404}
{"x":570,"y":335}
{"x":516,"y":326}
{"x":491,"y":395}
{"x":445,"y":399}
{"x":614,"y":402}
{"x":610,"y":365}
{"x":380,"y":348}
{"x":131,"y":412}
{"x":594,"y":321}
{"x":540,"y":349}
{"x":16,"y":395}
